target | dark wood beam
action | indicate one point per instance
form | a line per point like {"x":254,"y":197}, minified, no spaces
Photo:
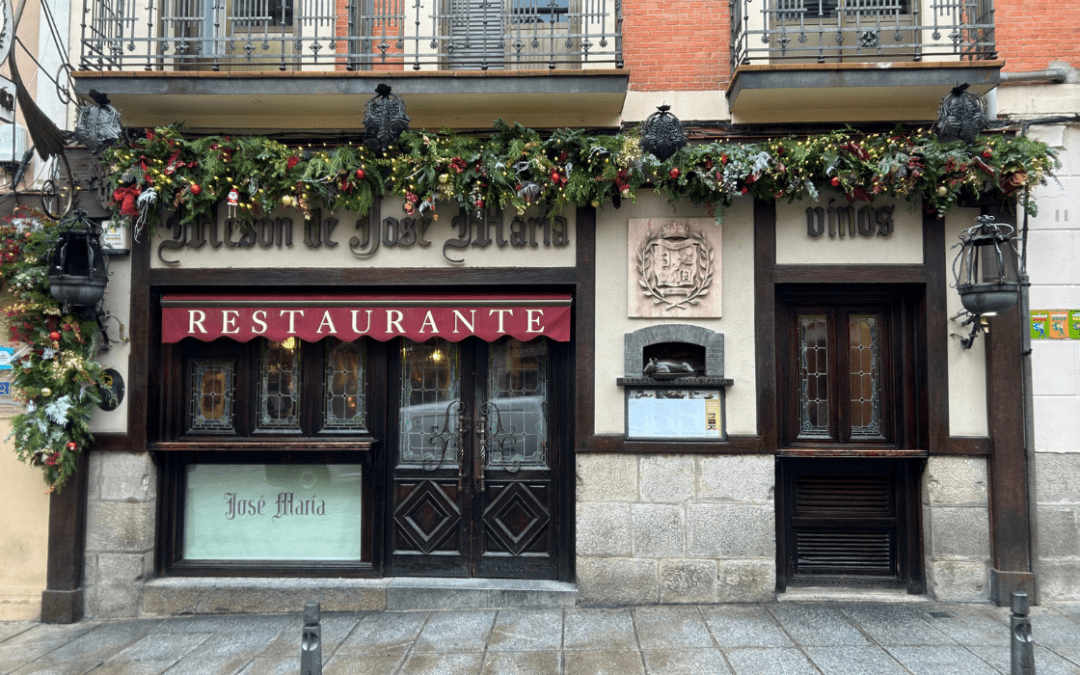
{"x":1010,"y":531}
{"x":62,"y":599}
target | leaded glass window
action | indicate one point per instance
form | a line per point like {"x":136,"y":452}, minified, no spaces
{"x":430,"y":402}
{"x":864,"y":364}
{"x":517,"y":394}
{"x":213,"y":394}
{"x":344,"y":385}
{"x":813,"y":375}
{"x":279,"y":385}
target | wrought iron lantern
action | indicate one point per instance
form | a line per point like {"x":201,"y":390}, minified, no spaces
{"x":985,"y":271}
{"x":662,"y":134}
{"x":78,"y":268}
{"x":97,"y":125}
{"x":384,"y":117}
{"x":961,"y":115}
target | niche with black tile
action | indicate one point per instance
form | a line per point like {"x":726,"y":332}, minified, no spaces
{"x":674,"y":383}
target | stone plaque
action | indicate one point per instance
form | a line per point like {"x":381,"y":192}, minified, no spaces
{"x":674,"y":269}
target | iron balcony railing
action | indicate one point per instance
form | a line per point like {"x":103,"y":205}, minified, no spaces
{"x":833,"y":31}
{"x":351,"y":34}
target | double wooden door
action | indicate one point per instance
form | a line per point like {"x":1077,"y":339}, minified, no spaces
{"x":476,"y":451}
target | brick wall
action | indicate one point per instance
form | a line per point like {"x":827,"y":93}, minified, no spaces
{"x":1032,"y":33}
{"x":678,"y":45}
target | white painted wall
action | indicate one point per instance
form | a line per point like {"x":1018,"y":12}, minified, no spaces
{"x":737,"y":324}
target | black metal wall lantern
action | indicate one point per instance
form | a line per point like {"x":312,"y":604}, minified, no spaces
{"x":985,"y":272}
{"x":662,"y":134}
{"x":384,"y":118}
{"x":78,"y":268}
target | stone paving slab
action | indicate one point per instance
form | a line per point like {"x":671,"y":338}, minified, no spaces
{"x":685,"y":662}
{"x":947,"y":660}
{"x":854,"y":661}
{"x":527,"y":630}
{"x":818,"y":625}
{"x":604,"y":662}
{"x":605,"y":629}
{"x":523,"y":663}
{"x":818,"y":638}
{"x":782,"y":661}
{"x":671,"y":628}
{"x":744,"y":626}
{"x":1046,"y":661}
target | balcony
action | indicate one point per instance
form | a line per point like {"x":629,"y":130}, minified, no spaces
{"x":466,"y":61}
{"x":816,"y":60}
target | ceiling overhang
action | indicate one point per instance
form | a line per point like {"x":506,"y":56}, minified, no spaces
{"x":857,"y":92}
{"x":302,"y":101}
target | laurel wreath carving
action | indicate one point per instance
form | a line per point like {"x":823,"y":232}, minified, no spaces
{"x":647,"y":281}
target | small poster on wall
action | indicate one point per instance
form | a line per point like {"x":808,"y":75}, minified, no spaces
{"x":1055,"y":324}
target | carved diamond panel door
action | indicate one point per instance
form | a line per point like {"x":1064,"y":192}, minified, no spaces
{"x":476,"y":480}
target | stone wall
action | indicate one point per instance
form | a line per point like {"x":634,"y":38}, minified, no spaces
{"x":1054,"y":265}
{"x":956,"y":529}
{"x":120,"y":525}
{"x":675,"y":529}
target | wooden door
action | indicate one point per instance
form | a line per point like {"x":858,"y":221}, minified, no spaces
{"x":476,"y":462}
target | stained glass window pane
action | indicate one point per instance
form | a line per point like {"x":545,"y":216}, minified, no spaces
{"x":213,"y":392}
{"x":864,"y":359}
{"x":344,"y":386}
{"x":279,"y":385}
{"x":813,"y":375}
{"x":517,"y":398}
{"x":430,"y":402}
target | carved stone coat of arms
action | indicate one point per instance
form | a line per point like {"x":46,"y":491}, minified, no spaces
{"x":674,"y":267}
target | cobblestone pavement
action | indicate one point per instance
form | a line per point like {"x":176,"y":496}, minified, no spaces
{"x":785,"y":639}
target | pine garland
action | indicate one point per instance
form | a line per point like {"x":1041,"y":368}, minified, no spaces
{"x":518,"y":168}
{"x":56,"y":372}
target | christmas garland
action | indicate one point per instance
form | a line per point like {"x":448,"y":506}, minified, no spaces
{"x":56,"y":373}
{"x":518,"y":168}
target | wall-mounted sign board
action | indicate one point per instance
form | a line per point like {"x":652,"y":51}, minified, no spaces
{"x":674,"y":413}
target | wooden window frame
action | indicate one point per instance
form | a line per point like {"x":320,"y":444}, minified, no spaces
{"x":177,"y":446}
{"x":900,"y":373}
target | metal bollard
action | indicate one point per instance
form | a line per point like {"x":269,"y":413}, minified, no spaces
{"x":1023,"y":649}
{"x":311,"y":644}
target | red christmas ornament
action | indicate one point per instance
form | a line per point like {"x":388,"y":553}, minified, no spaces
{"x":554,"y":176}
{"x":54,"y":336}
{"x":835,"y":182}
{"x":360,"y":174}
{"x":195,"y":189}
{"x":987,"y":153}
{"x":71,"y":446}
{"x":479,"y":203}
{"x":674,"y":173}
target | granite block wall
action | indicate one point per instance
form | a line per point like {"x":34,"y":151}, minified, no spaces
{"x":956,"y":529}
{"x":675,"y":529}
{"x":120,"y":531}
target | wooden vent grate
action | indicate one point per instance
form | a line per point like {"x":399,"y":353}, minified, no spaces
{"x":844,"y":553}
{"x":843,"y":495}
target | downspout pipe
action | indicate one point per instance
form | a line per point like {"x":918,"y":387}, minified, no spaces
{"x":1050,"y":74}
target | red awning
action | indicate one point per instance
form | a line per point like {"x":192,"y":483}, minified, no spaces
{"x":382,"y":317}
